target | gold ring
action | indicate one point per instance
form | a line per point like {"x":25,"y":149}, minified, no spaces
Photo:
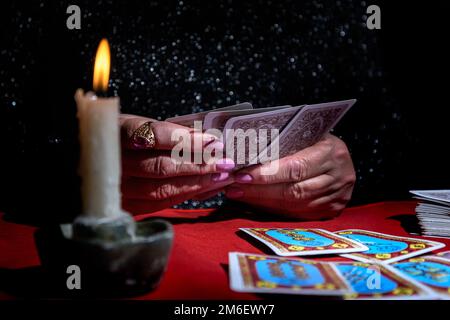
{"x":143,"y":137}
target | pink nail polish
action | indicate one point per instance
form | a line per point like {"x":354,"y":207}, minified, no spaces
{"x":225,"y":165}
{"x":234,"y":193}
{"x":218,"y":177}
{"x":243,"y":177}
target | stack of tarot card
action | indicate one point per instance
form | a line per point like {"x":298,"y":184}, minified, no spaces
{"x":433,"y":212}
{"x":297,"y":127}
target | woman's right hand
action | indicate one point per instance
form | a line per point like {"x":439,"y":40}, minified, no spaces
{"x":152,"y":180}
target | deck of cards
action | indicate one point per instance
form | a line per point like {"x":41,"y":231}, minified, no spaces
{"x":433,"y":212}
{"x":380,"y":266}
{"x":281,"y":130}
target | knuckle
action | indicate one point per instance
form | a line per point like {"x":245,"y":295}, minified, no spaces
{"x":350,"y":179}
{"x":163,"y":192}
{"x":337,"y":207}
{"x":327,"y":144}
{"x":347,"y":196}
{"x":297,"y":169}
{"x":295,"y":192}
{"x":341,"y":152}
{"x":303,"y":167}
{"x":343,"y":197}
{"x":160,"y":167}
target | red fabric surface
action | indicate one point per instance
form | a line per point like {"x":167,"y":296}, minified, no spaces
{"x":198,"y":266}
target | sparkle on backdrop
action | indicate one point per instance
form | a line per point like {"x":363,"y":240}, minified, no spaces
{"x":179,"y":57}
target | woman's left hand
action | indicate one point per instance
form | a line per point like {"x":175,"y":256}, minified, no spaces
{"x":314,"y":183}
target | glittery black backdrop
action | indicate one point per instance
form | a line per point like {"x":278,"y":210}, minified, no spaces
{"x":175,"y":57}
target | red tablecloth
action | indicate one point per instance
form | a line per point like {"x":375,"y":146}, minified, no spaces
{"x":198,"y":264}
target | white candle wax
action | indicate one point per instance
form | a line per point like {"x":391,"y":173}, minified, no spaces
{"x":100,"y":165}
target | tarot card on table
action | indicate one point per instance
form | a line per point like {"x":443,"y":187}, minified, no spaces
{"x":387,"y":248}
{"x":304,"y":242}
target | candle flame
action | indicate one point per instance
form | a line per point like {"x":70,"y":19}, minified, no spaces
{"x":102,"y":67}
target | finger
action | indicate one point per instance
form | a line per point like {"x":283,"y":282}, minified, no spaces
{"x":303,"y":165}
{"x":207,"y":195}
{"x":139,"y":206}
{"x":160,"y":164}
{"x":278,"y":193}
{"x":323,"y":207}
{"x":167,"y":135}
{"x":334,"y":200}
{"x":173,"y":190}
{"x":128,"y":125}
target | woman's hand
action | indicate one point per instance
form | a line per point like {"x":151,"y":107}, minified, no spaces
{"x":152,"y":180}
{"x":314,"y":183}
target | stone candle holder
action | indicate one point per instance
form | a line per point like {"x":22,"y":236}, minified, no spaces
{"x":112,"y":262}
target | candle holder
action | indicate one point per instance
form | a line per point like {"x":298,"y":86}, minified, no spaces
{"x":113,"y":261}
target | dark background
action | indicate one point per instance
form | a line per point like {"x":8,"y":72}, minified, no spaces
{"x":176,"y":57}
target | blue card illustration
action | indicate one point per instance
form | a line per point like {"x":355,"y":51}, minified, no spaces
{"x":303,"y":238}
{"x":430,"y":270}
{"x":366,"y":280}
{"x":380,"y":281}
{"x":261,"y":273}
{"x":298,"y":242}
{"x":378,"y":245}
{"x":289,"y":273}
{"x":387,"y":248}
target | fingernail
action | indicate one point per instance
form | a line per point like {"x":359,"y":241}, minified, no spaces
{"x":225,"y":165}
{"x":243,"y":177}
{"x":216,"y":145}
{"x":218,"y":177}
{"x":234,"y":193}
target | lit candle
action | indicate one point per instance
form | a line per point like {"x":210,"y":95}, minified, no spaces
{"x":100,"y":166}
